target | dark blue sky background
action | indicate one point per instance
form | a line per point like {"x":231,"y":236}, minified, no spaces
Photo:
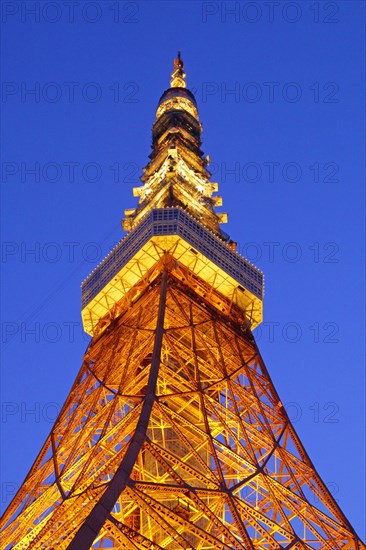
{"x":293,"y":131}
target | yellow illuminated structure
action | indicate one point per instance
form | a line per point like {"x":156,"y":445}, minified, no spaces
{"x":173,"y":436}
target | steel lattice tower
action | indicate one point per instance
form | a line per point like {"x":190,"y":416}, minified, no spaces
{"x":173,"y":435}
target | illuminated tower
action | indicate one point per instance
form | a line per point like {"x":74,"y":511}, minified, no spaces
{"x":173,"y":436}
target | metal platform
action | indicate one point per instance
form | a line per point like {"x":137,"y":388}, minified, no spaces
{"x":190,"y":242}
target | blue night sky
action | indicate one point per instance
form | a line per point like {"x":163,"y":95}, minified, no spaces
{"x":280,"y":93}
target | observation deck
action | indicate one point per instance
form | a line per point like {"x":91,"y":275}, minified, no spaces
{"x":192,"y":245}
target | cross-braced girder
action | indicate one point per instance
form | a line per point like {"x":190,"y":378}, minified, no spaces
{"x":173,"y":436}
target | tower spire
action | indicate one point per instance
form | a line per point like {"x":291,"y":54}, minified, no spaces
{"x":177,"y":173}
{"x":178,"y":79}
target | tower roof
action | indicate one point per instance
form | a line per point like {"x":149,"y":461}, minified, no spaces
{"x":178,"y":86}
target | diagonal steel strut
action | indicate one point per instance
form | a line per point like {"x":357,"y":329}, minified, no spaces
{"x":85,"y":536}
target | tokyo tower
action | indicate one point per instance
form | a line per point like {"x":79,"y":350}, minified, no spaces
{"x":173,"y":435}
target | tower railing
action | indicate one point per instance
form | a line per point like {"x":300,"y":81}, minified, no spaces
{"x":173,"y":221}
